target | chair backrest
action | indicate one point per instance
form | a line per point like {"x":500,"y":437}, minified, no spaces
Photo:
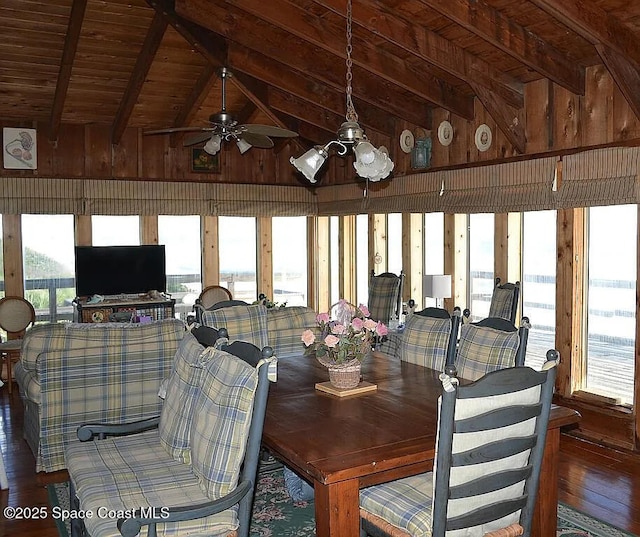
{"x":429,"y":338}
{"x":265,"y":361}
{"x":490,"y":344}
{"x":491,"y":441}
{"x":504,"y":300}
{"x":212,"y":294}
{"x":16,"y":315}
{"x":385,"y":296}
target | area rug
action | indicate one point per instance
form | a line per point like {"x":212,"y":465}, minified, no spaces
{"x":275,"y":515}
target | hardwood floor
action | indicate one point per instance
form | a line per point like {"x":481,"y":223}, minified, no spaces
{"x":601,"y":482}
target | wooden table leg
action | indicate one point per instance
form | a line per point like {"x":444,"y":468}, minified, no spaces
{"x":337,"y":509}
{"x":545,"y":516}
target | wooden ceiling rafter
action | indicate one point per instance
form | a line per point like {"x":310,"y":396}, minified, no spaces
{"x":510,"y":37}
{"x":428,"y":46}
{"x":72,"y":37}
{"x":196,"y":97}
{"x":213,"y":47}
{"x":331,"y":38}
{"x":138,"y":75}
{"x":323,"y":68}
{"x":615,"y":43}
{"x":309,"y":88}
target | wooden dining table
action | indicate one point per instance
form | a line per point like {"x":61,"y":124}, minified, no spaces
{"x":342,"y":444}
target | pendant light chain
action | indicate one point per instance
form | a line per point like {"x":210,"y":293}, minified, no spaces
{"x":351,"y":111}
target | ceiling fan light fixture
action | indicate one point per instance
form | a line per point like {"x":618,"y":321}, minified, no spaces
{"x":213,"y":145}
{"x":370,"y":163}
{"x":243,"y":145}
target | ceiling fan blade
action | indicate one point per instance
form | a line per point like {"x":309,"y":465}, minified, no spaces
{"x":268,"y":130}
{"x":257,"y":140}
{"x":177,"y":129}
{"x":192,"y":139}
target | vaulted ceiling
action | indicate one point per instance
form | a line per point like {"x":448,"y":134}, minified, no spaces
{"x":153,"y":64}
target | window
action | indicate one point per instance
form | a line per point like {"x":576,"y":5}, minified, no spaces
{"x":481,"y":277}
{"x":538,"y":284}
{"x":49,"y":265}
{"x":394,"y":243}
{"x":181,"y":238}
{"x":362,"y":258}
{"x":611,"y":300}
{"x":334,"y":253}
{"x":237,"y":237}
{"x":433,"y":251}
{"x":115,"y":230}
{"x":289,"y":247}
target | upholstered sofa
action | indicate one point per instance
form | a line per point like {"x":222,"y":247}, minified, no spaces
{"x":70,"y":374}
{"x":279,"y":328}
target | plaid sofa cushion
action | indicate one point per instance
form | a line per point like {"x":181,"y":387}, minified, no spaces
{"x":285,"y":327}
{"x":95,"y":373}
{"x":243,"y":323}
{"x":383,"y":297}
{"x":102,"y":476}
{"x":424,"y":341}
{"x":221,"y":422}
{"x":482,"y":350}
{"x":183,"y":387}
{"x":501,"y":302}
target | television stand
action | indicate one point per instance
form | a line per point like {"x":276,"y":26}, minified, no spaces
{"x":123,"y":308}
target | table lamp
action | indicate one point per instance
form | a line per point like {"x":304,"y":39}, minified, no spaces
{"x":437,"y":286}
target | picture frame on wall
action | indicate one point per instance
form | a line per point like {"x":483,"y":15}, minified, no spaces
{"x":203,"y":162}
{"x":19,"y":149}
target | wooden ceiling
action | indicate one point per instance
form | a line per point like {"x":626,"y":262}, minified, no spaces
{"x":153,"y":64}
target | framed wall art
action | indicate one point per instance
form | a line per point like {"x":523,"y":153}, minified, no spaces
{"x":203,"y":162}
{"x":19,"y":149}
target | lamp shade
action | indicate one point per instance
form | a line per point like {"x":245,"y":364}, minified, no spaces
{"x":243,"y":145}
{"x":436,"y":285}
{"x":213,"y":145}
{"x":310,"y":163}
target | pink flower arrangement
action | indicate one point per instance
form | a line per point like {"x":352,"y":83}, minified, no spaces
{"x":349,"y":336}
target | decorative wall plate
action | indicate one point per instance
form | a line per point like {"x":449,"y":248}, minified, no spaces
{"x":406,"y":141}
{"x":445,"y":133}
{"x":483,"y":137}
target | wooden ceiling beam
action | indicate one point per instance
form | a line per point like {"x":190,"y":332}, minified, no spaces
{"x":331,"y":38}
{"x":279,"y":75}
{"x":213,"y":47}
{"x":510,"y":37}
{"x":506,"y":117}
{"x":260,"y":37}
{"x":286,"y":79}
{"x":141,"y":69}
{"x":430,"y":47}
{"x":624,"y":73}
{"x":196,"y":97}
{"x":257,"y":34}
{"x":64,"y":74}
{"x":595,"y":25}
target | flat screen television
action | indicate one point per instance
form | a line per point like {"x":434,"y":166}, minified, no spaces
{"x":120,"y":270}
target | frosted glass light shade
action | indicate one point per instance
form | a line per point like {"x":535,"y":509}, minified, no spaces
{"x":310,"y":163}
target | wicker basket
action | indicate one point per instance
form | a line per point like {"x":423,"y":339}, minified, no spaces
{"x":345,"y":375}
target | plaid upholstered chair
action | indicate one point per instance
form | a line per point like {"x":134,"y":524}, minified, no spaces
{"x":385,"y":296}
{"x":491,"y":439}
{"x":490,"y":344}
{"x":504,"y":300}
{"x":190,"y":471}
{"x":429,"y":338}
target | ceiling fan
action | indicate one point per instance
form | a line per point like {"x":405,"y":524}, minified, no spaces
{"x":224,"y":127}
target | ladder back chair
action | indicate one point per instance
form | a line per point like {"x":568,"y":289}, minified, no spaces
{"x":490,"y":444}
{"x":385,"y":296}
{"x":504,"y":300}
